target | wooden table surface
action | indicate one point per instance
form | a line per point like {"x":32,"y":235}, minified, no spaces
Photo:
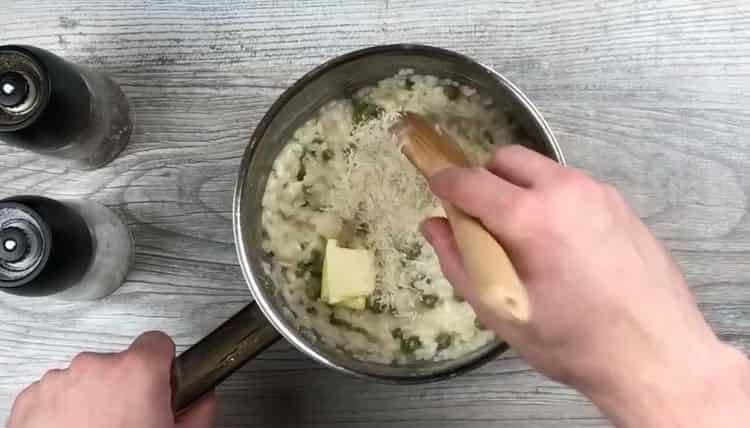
{"x":651,"y":96}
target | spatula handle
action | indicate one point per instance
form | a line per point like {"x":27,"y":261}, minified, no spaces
{"x":489,"y":268}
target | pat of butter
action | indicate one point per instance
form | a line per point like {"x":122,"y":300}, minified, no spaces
{"x":356,"y":303}
{"x":348,"y":276}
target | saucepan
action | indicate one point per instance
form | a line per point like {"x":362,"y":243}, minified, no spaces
{"x":264,"y":321}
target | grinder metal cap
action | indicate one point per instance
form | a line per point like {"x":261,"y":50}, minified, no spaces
{"x":24,"y":88}
{"x":45,"y":246}
{"x":24,"y":244}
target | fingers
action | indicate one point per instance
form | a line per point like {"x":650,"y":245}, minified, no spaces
{"x":475,"y":191}
{"x":438,"y":233}
{"x":154,"y":349}
{"x":522,"y":166}
{"x":86,"y":360}
{"x":202,"y":414}
{"x":500,"y":205}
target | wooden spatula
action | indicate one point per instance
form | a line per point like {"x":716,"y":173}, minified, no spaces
{"x":487,"y":264}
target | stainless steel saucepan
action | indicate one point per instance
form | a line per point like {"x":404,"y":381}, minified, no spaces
{"x":262,"y":322}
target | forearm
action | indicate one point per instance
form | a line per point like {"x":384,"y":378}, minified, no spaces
{"x":716,"y":394}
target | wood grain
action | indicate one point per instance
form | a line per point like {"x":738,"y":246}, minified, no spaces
{"x":651,"y":96}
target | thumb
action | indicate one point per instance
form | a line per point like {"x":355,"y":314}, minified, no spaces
{"x":202,"y":414}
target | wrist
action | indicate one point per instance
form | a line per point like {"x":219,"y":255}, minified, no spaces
{"x":697,"y":392}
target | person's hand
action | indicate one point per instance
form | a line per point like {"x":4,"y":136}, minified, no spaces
{"x":125,"y":390}
{"x":611,"y":313}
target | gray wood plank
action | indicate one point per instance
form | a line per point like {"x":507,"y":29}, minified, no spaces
{"x":651,"y":96}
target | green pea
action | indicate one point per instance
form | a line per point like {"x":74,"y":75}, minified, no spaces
{"x":411,"y":250}
{"x":410,"y":344}
{"x":314,"y":265}
{"x":316,"y":259}
{"x":301,"y":269}
{"x":312,"y":289}
{"x":397,"y":333}
{"x":519,"y":133}
{"x":364,"y":111}
{"x":414,"y":280}
{"x":327,"y":155}
{"x":363,"y":229}
{"x":351,"y":148}
{"x":429,"y":300}
{"x":451,"y":92}
{"x":444,"y":340}
{"x":360,"y":210}
{"x":408,"y":84}
{"x":302,"y":170}
{"x":376,"y":304}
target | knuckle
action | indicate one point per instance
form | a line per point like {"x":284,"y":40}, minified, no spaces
{"x":524,"y":209}
{"x":577,"y":184}
{"x":134,"y":361}
{"x":51,"y":376}
{"x":143,"y":367}
{"x":84,"y":360}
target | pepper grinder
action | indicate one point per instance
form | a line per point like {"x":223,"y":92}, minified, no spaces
{"x":69,"y":249}
{"x":61,"y":110}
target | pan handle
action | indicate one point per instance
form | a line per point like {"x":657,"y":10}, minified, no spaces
{"x":206,"y":364}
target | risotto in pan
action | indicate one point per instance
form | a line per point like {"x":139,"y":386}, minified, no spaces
{"x":341,"y":211}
